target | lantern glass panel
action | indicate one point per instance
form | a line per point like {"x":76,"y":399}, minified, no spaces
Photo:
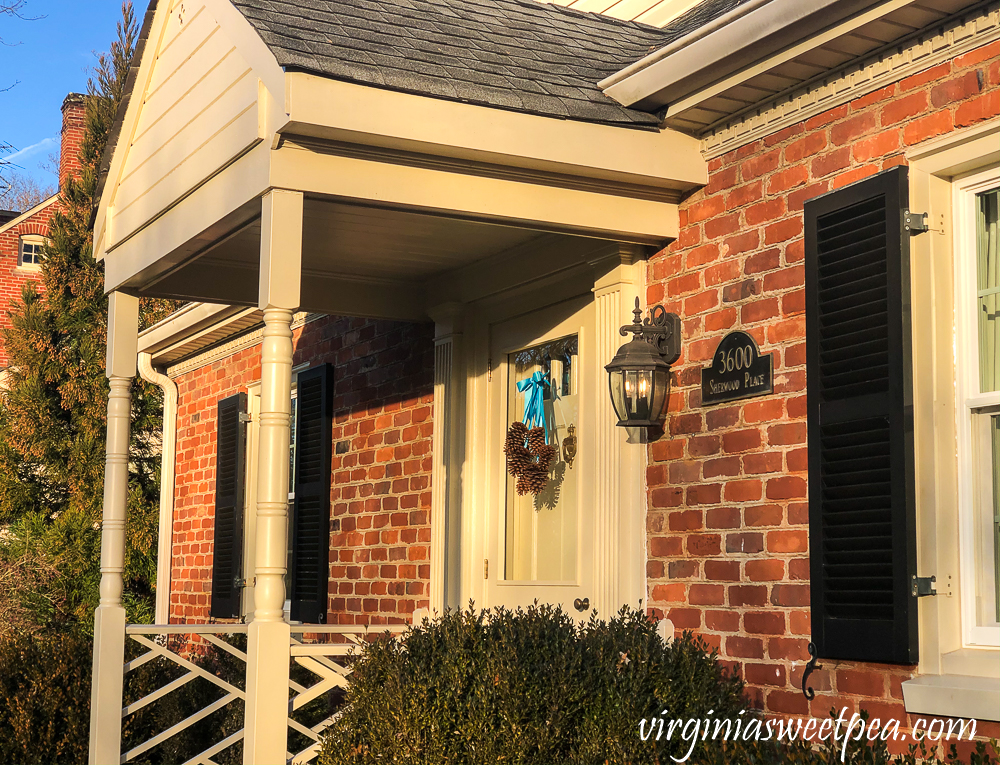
{"x":661,"y":386}
{"x":638,"y":395}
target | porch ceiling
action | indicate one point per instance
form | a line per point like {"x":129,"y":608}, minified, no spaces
{"x":356,"y":260}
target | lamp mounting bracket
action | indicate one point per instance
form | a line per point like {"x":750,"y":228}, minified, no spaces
{"x":660,"y":329}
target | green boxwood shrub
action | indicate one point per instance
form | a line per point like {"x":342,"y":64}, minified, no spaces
{"x":44,"y":699}
{"x":532,"y":686}
{"x":525,"y":687}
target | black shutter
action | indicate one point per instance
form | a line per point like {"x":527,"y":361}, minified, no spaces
{"x":230,"y":461}
{"x":862,"y":537}
{"x":310,"y":574}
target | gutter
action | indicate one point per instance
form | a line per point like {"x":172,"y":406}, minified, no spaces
{"x":682,"y":42}
{"x":731,"y":43}
{"x":164,"y":552}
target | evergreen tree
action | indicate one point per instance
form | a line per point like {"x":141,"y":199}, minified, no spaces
{"x":53,"y":413}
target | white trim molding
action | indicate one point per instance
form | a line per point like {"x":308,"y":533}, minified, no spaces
{"x":237,"y":344}
{"x":862,"y":78}
{"x":953,"y":696}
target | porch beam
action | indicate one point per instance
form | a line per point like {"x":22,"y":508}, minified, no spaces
{"x":109,"y":619}
{"x":269,"y":636}
{"x":437,"y":128}
{"x":472,"y":197}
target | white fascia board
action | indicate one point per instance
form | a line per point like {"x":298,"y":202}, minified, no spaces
{"x":222,"y":196}
{"x":359,"y":114}
{"x":127,"y":131}
{"x":697,"y":60}
{"x":185,"y":322}
{"x":28,"y":213}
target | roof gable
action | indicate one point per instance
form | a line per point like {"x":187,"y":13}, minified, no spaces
{"x":195,"y":110}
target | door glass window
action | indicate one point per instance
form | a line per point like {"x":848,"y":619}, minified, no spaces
{"x":542,"y":530}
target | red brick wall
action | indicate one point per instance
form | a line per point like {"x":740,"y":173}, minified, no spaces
{"x":74,"y":114}
{"x":12,"y":276}
{"x":380,"y":494}
{"x":198,"y":393}
{"x":728,"y":533}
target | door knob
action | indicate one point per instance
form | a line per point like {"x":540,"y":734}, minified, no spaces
{"x":581,"y":605}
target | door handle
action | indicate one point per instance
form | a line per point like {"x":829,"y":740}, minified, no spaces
{"x":581,"y":605}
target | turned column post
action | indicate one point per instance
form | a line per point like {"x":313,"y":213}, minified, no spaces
{"x":269,"y":637}
{"x":109,"y":618}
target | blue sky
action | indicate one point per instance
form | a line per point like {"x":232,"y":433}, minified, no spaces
{"x":48,"y":58}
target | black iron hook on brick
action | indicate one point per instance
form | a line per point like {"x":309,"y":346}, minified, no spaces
{"x":809,"y":693}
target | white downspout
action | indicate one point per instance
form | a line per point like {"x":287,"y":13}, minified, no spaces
{"x":164,"y":552}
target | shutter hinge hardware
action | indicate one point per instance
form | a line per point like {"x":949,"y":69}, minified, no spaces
{"x":486,"y":568}
{"x":245,"y":417}
{"x":240,"y":583}
{"x":921,"y":586}
{"x":807,"y":690}
{"x":919,"y":223}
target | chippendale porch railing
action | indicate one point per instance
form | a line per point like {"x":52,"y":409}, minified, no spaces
{"x":158,"y":712}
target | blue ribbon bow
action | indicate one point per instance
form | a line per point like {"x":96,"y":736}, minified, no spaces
{"x":534,"y":406}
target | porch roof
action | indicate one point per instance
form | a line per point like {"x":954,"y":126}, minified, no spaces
{"x":402,"y":188}
{"x":520,"y":55}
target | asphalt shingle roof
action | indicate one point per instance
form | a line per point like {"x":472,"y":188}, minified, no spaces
{"x":511,"y":54}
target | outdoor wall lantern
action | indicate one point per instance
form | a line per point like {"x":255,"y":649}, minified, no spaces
{"x":639,"y":374}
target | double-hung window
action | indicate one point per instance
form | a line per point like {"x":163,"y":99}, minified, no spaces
{"x":977,"y":324}
{"x":31,"y":251}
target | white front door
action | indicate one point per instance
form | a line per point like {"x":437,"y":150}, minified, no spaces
{"x":540,"y":546}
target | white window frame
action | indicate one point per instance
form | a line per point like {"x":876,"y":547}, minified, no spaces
{"x":34,"y":240}
{"x":970,"y":408}
{"x":953,"y":678}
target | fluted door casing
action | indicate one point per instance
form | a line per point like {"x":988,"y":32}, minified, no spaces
{"x":619,"y":492}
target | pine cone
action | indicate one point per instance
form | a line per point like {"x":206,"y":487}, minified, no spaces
{"x":518,"y":460}
{"x":535,"y":478}
{"x":546,"y":454}
{"x":517,"y":455}
{"x":536,"y":439}
{"x":516,"y":435}
{"x":522,"y":486}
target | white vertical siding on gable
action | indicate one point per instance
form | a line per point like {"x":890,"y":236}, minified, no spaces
{"x":656,"y":13}
{"x":198,"y":112}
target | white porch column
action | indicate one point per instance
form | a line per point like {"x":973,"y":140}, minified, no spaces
{"x":446,"y":451}
{"x":619,"y":486}
{"x":109,"y":619}
{"x":268,"y":640}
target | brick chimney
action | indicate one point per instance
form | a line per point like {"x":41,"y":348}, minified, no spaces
{"x":73,"y":116}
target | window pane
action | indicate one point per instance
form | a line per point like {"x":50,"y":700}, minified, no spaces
{"x":542,"y":530}
{"x":986,"y":540}
{"x":988,"y":289}
{"x":994,"y":509}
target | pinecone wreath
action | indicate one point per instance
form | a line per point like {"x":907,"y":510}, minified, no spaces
{"x":528,"y":457}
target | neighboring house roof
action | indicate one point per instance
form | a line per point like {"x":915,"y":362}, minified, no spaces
{"x":512,"y":54}
{"x":23,"y":216}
